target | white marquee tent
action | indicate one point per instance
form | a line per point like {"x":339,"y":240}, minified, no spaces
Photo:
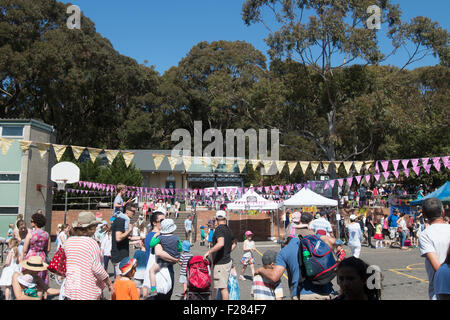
{"x":252,"y":201}
{"x":308,"y":198}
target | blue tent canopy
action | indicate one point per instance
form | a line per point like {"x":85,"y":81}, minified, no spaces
{"x":443,"y":194}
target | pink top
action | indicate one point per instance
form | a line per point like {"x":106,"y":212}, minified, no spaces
{"x":85,"y":273}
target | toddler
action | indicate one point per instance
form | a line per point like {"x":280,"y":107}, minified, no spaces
{"x":185,"y":256}
{"x":124,"y":287}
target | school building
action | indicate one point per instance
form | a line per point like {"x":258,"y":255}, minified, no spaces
{"x":22,"y":171}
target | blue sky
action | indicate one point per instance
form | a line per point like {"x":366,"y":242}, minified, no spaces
{"x":163,"y":32}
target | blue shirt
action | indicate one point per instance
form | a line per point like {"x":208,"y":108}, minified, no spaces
{"x":188,"y":224}
{"x":393,"y":221}
{"x":288,"y":259}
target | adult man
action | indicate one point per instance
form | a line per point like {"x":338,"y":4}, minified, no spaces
{"x":321,"y":225}
{"x":434,"y":240}
{"x":118,"y":201}
{"x":188,"y":228}
{"x":121,"y":237}
{"x":287,"y":259}
{"x":355,"y":236}
{"x":392,"y":220}
{"x":223,"y":244}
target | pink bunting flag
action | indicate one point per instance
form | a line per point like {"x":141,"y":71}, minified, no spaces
{"x":267,"y":189}
{"x":325,"y":187}
{"x":416,"y":170}
{"x":341,"y":182}
{"x":281,"y":188}
{"x":386,"y":175}
{"x":332,"y":183}
{"x":377,"y":176}
{"x":406,"y":172}
{"x":396,"y":173}
{"x":385,"y":165}
{"x":349,"y":181}
{"x":79,"y":183}
{"x":445,"y":162}
{"x":414,"y":162}
{"x":405,"y":163}
{"x":395,"y":164}
{"x":437,"y":164}
{"x":377,"y":169}
{"x":425,"y":161}
{"x":273,"y":188}
{"x":358,"y":179}
{"x":367,"y":177}
{"x":288,"y":187}
{"x":427,"y":168}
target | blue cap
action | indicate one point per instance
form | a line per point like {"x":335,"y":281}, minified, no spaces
{"x":186,"y":246}
{"x":339,"y":242}
{"x":202,"y":227}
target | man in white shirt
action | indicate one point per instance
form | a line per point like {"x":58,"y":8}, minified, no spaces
{"x":355,"y":236}
{"x":434,"y":240}
{"x":321,"y":225}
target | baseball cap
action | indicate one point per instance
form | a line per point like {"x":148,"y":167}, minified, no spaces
{"x":221,"y":214}
{"x":248,"y":233}
{"x":162,"y":210}
{"x":296,"y":216}
{"x":353,"y":217}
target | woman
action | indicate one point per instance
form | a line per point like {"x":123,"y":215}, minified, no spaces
{"x":370,"y":228}
{"x":37,"y":243}
{"x":62,"y":236}
{"x":85,"y":276}
{"x":353,"y":279}
{"x":403,"y":230}
{"x":32,"y":266}
{"x":155,"y":220}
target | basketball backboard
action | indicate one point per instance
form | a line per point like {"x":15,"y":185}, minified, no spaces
{"x":65,"y":171}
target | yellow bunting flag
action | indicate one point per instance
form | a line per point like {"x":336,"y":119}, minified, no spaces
{"x":347,"y":166}
{"x":304,"y":165}
{"x":204,"y":161}
{"x":254,"y":163}
{"x":173,"y":161}
{"x":358,"y":165}
{"x":368,"y":164}
{"x":128,"y":157}
{"x":157,"y":159}
{"x":241,"y":165}
{"x":326,"y":164}
{"x":111,"y":155}
{"x":77,"y":151}
{"x":59,"y":150}
{"x":5,"y":144}
{"x":280,"y":165}
{"x":229,"y":164}
{"x":215,"y":163}
{"x":94,"y":152}
{"x":292,"y":165}
{"x":314,"y":166}
{"x":24,"y":145}
{"x":43,"y":148}
{"x":187,"y":161}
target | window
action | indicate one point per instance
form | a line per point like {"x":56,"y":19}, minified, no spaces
{"x":9,"y":210}
{"x":12,"y":131}
{"x":9,"y":177}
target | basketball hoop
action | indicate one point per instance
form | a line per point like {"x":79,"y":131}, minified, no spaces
{"x":61,"y":184}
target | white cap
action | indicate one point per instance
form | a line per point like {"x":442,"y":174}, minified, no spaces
{"x":221,"y":214}
{"x":353,"y":217}
{"x":162,"y":210}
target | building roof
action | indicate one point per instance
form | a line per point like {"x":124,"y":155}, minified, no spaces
{"x":143,"y":160}
{"x":31,"y":122}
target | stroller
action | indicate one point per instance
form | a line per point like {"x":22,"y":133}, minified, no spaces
{"x":198,"y":272}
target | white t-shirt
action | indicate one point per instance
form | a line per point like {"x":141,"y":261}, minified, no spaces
{"x":354,"y":234}
{"x":250,"y":245}
{"x":435,"y":238}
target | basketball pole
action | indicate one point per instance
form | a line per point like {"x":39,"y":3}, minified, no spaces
{"x":65,"y":208}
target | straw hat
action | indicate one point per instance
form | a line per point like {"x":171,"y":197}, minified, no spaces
{"x":34,"y":263}
{"x":85,"y":219}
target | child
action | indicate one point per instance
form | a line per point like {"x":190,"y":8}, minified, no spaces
{"x":210,"y":233}
{"x":142,"y":258}
{"x":202,"y":236}
{"x":170,"y":243}
{"x":262,"y":288}
{"x":28,"y":285}
{"x":9,"y":235}
{"x":11,"y":265}
{"x":124,"y":287}
{"x":378,"y":235}
{"x":105,"y":248}
{"x":184,"y":259}
{"x":340,"y":252}
{"x":247,"y":258}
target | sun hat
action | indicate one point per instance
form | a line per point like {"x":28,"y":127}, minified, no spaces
{"x":85,"y":219}
{"x":168,"y":226}
{"x":26,"y":280}
{"x":221,"y":214}
{"x":126,"y":265}
{"x":296,"y":216}
{"x":248,"y":233}
{"x":34,"y":263}
{"x":186,"y":246}
{"x":352,"y":217}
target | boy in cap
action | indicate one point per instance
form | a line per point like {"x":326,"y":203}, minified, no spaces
{"x":170,"y":243}
{"x":124,"y":287}
{"x":185,"y":256}
{"x":263,"y":288}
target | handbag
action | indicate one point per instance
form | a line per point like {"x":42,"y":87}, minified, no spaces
{"x":58,"y":263}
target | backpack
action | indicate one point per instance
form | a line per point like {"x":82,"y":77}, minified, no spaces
{"x":323,"y":260}
{"x":197,"y":271}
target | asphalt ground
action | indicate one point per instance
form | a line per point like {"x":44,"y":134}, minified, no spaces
{"x":403,"y":271}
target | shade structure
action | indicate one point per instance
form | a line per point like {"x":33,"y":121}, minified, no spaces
{"x":307,"y":198}
{"x":252,"y":201}
{"x":442,"y":193}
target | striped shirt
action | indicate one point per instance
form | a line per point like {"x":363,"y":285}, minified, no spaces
{"x":85,"y":273}
{"x":184,"y":259}
{"x":264,"y":289}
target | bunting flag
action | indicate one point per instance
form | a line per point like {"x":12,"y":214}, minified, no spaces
{"x":215,"y":162}
{"x":368,"y":164}
{"x":416,"y":170}
{"x":325,"y":187}
{"x":254,"y":162}
{"x":386,"y":175}
{"x":187,"y":161}
{"x":406,"y":172}
{"x":241,"y":165}
{"x":158,"y":158}
{"x":77,"y":151}
{"x":93,"y":153}
{"x":292,"y":165}
{"x":414,"y":162}
{"x":280,"y":165}
{"x":314,"y":166}
{"x":341,"y":182}
{"x":437,"y":164}
{"x":377,"y":176}
{"x":304,"y":165}
{"x":396,"y":173}
{"x":24,"y":145}
{"x":405,"y":163}
{"x":173,"y":161}
{"x":229,"y":164}
{"x":349,"y":181}
{"x":367,"y":177}
{"x":59,"y":150}
{"x":326,"y":164}
{"x":347,"y":166}
{"x":445,"y":161}
{"x":385,"y":165}
{"x":358,"y":165}
{"x":43,"y":148}
{"x":377,"y":169}
{"x":332,"y":183}
{"x":5,"y":144}
{"x":424,"y":161}
{"x":204,"y":161}
{"x":395,"y":164}
{"x":358,"y":179}
{"x":128,"y":157}
{"x":427,"y":168}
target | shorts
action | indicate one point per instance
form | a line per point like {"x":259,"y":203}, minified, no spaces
{"x":221,"y":275}
{"x":247,"y":260}
{"x":183,"y":279}
{"x":139,"y":282}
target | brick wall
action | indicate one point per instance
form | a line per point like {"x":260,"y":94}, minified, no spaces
{"x":72,"y":215}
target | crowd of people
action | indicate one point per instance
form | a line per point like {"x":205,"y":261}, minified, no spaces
{"x":85,"y":248}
